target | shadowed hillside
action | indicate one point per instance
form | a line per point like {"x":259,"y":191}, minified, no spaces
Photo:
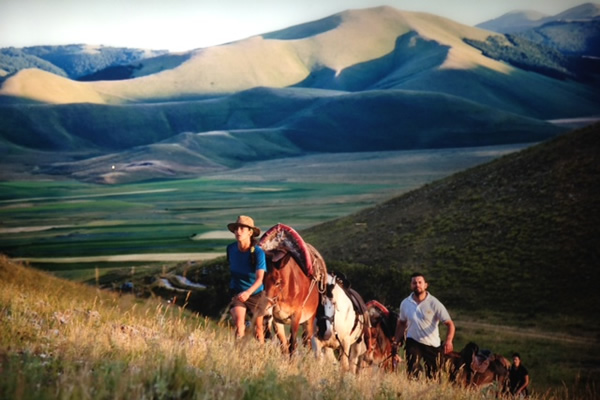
{"x":519,"y":234}
{"x":190,"y":138}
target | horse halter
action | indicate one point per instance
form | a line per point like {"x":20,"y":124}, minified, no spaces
{"x":272,"y":301}
{"x":328,"y":294}
{"x":322,"y":319}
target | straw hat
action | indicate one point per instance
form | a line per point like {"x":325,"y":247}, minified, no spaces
{"x":246,"y":221}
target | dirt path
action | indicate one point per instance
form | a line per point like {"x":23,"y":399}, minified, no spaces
{"x":521,"y":332}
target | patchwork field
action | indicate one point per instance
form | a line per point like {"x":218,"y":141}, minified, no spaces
{"x":68,"y":225}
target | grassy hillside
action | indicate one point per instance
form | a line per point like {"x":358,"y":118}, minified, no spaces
{"x":178,"y":139}
{"x":510,"y":247}
{"x":63,"y":340}
{"x":570,"y":37}
{"x":518,"y":235}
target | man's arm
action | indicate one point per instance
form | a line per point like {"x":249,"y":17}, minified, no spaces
{"x":448,"y":345}
{"x":525,"y":384}
{"x":400,"y":331}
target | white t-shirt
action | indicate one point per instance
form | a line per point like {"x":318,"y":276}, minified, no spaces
{"x":423,"y":319}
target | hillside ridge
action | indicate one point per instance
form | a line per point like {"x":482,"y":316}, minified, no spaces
{"x":517,"y":229}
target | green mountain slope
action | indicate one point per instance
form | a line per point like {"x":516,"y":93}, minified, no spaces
{"x":259,"y":124}
{"x":519,"y":234}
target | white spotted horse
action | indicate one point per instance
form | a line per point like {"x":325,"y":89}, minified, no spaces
{"x":342,"y":324}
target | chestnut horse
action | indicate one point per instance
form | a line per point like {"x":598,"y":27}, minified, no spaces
{"x":475,"y":368}
{"x":295,"y":276}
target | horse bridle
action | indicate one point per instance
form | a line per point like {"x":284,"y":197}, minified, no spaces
{"x":328,"y":292}
{"x":273,"y":300}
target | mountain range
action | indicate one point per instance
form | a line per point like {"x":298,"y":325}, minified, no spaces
{"x":523,"y":20}
{"x":360,"y":80}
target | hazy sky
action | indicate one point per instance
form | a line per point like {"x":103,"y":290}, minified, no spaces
{"x":178,"y":25}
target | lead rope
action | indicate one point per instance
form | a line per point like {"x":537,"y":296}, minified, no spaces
{"x":312,"y":286}
{"x":321,"y":278}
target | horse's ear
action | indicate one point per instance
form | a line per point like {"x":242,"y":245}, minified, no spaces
{"x":343,"y":280}
{"x":280,"y":263}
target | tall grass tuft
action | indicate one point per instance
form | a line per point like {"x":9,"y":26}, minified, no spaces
{"x":63,"y":340}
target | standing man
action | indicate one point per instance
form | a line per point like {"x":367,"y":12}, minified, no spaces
{"x":420,"y":315}
{"x":248,"y":266}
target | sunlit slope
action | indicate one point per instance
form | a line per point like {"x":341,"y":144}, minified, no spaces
{"x":354,"y":39}
{"x":509,"y":235}
{"x":43,"y":86}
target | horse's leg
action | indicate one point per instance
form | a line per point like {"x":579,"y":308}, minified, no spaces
{"x":329,"y":355}
{"x":294,"y":325}
{"x":317,"y":347}
{"x":308,"y":331}
{"x":345,"y":354}
{"x":357,"y":350}
{"x":280,"y":332}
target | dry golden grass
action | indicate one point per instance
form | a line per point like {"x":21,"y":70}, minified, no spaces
{"x":62,"y":340}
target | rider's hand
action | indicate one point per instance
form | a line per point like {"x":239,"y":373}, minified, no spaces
{"x":243,"y":296}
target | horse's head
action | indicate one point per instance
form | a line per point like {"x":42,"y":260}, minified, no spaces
{"x":326,"y":310}
{"x":469,"y":352}
{"x":275,"y":278}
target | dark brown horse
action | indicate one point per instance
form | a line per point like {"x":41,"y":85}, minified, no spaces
{"x":383,"y":329}
{"x":475,"y":368}
{"x":295,"y":276}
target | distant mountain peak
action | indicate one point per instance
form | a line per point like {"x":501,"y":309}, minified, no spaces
{"x":521,"y":20}
{"x":583,"y":11}
{"x":530,"y":15}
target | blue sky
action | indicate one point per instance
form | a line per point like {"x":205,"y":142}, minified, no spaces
{"x":179,"y":25}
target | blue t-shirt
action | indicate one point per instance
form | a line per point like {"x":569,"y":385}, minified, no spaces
{"x":243,"y":274}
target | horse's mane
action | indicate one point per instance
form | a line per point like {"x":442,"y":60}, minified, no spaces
{"x":284,"y":238}
{"x":382,"y":317}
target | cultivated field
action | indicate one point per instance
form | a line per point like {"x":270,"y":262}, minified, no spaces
{"x":66,"y":226}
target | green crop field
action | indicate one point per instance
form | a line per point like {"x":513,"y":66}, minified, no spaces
{"x":70,"y":225}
